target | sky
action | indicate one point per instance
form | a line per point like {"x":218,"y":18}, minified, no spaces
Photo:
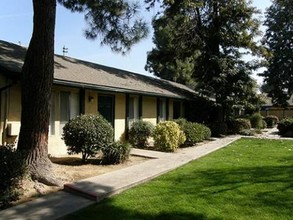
{"x":16,"y":24}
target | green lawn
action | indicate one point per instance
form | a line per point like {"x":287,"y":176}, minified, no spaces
{"x":250,"y":179}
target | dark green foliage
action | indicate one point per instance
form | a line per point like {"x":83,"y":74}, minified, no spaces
{"x":207,"y":133}
{"x":201,"y":110}
{"x":86,"y":134}
{"x":271,"y":120}
{"x":278,"y":40}
{"x":257,"y":121}
{"x":181,"y":122}
{"x":219,"y":129}
{"x":285,"y":127}
{"x":12,"y":170}
{"x":115,"y":23}
{"x":199,"y":43}
{"x":115,"y":153}
{"x":194,"y":132}
{"x":139,"y":133}
{"x":236,"y":126}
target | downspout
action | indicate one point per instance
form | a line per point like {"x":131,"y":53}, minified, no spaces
{"x":5,"y":110}
{"x":127,"y":117}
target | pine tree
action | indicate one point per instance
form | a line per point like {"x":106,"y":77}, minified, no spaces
{"x":112,"y":21}
{"x":209,"y":37}
{"x":279,"y":42}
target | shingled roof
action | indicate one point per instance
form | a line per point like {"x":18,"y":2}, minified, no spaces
{"x":78,"y":73}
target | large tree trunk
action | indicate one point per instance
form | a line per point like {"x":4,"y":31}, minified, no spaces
{"x":37,"y":79}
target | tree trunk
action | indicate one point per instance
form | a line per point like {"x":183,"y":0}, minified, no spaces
{"x":37,"y":79}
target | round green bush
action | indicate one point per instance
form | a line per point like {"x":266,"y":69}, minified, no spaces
{"x":181,"y":122}
{"x":194,"y":132}
{"x":168,"y":136}
{"x":285,"y":127}
{"x":87,"y":134}
{"x":207,"y":133}
{"x":115,"y":153}
{"x":236,"y":126}
{"x":256,"y":121}
{"x":271,"y":120}
{"x":139,"y":133}
{"x":12,"y":171}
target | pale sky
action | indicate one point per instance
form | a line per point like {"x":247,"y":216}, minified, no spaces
{"x":16,"y":27}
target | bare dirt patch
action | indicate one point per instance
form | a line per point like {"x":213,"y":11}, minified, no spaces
{"x":70,"y":169}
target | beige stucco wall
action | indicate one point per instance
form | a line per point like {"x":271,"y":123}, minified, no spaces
{"x":91,"y":105}
{"x":119,"y":123}
{"x":56,"y":144}
{"x":13,"y":112}
{"x":149,"y":112}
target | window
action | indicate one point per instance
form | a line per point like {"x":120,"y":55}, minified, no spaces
{"x":177,"y":110}
{"x":106,"y":107}
{"x":69,"y":107}
{"x":52,"y":115}
{"x":133,"y":109}
{"x":162,"y":110}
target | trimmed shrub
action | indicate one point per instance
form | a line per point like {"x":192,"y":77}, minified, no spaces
{"x":181,"y":122}
{"x":271,"y":121}
{"x":285,"y":127}
{"x":219,"y":129}
{"x":207,"y":133}
{"x":87,"y":134}
{"x":115,"y":153}
{"x":256,"y":121}
{"x":194,"y":132}
{"x":12,"y":171}
{"x":168,"y":136}
{"x":139,"y":133}
{"x":236,"y":126}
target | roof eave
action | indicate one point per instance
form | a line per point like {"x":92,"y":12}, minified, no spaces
{"x":114,"y":89}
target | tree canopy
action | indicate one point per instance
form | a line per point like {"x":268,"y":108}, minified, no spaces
{"x":115,"y":23}
{"x":202,"y":43}
{"x":279,"y":42}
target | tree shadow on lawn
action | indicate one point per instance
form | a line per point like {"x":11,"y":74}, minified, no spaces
{"x":266,"y":185}
{"x":117,"y":213}
{"x":268,"y":189}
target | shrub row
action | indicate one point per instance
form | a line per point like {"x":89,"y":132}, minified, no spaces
{"x":243,"y":125}
{"x":236,"y":126}
{"x":194,"y":132}
{"x":271,"y":121}
{"x":89,"y":134}
{"x":285,"y":127}
{"x":169,"y":135}
{"x":12,"y":170}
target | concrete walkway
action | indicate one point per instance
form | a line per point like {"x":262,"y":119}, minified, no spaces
{"x":91,"y":190}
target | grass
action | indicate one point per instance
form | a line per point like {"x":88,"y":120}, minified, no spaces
{"x":249,"y":179}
